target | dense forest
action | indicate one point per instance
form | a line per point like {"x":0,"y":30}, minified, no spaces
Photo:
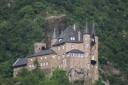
{"x":22,"y":24}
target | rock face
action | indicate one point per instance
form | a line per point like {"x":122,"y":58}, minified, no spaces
{"x":57,"y":23}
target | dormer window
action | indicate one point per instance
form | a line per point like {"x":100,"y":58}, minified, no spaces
{"x":60,"y":40}
{"x":72,"y":38}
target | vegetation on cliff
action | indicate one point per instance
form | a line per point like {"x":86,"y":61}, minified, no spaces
{"x":22,"y":21}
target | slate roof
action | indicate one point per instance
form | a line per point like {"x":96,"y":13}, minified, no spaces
{"x":75,"y":51}
{"x":43,"y":52}
{"x":23,"y":61}
{"x":67,"y":34}
{"x":20,"y":62}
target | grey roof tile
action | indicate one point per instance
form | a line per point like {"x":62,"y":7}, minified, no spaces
{"x":20,"y":62}
{"x":67,"y":34}
{"x":43,"y":52}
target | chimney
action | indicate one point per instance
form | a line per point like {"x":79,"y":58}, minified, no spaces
{"x":74,"y":27}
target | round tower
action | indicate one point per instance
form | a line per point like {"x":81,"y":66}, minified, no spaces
{"x":94,"y":55}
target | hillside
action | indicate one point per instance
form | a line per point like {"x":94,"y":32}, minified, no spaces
{"x":22,"y":22}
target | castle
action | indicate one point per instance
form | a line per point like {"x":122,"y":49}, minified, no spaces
{"x":73,"y":51}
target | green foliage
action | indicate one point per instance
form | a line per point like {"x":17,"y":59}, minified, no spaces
{"x":116,"y":81}
{"x":100,"y":82}
{"x":37,"y":77}
{"x":60,"y":77}
{"x":30,"y":77}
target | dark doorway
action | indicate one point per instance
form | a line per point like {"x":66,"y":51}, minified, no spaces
{"x":93,"y":62}
{"x":43,"y":48}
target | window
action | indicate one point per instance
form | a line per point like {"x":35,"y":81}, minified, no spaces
{"x":46,"y":63}
{"x":74,"y":54}
{"x":96,"y":67}
{"x":31,"y":66}
{"x":71,"y":54}
{"x":41,"y":64}
{"x":53,"y":56}
{"x":31,"y":59}
{"x":72,"y":38}
{"x":63,"y":47}
{"x":45,"y":57}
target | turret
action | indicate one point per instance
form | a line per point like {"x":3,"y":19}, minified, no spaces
{"x":93,"y":35}
{"x":54,"y":37}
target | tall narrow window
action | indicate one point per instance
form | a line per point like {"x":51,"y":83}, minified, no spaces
{"x":72,"y":46}
{"x":63,"y":47}
{"x":53,"y":56}
{"x":92,"y":57}
{"x":46,"y":63}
